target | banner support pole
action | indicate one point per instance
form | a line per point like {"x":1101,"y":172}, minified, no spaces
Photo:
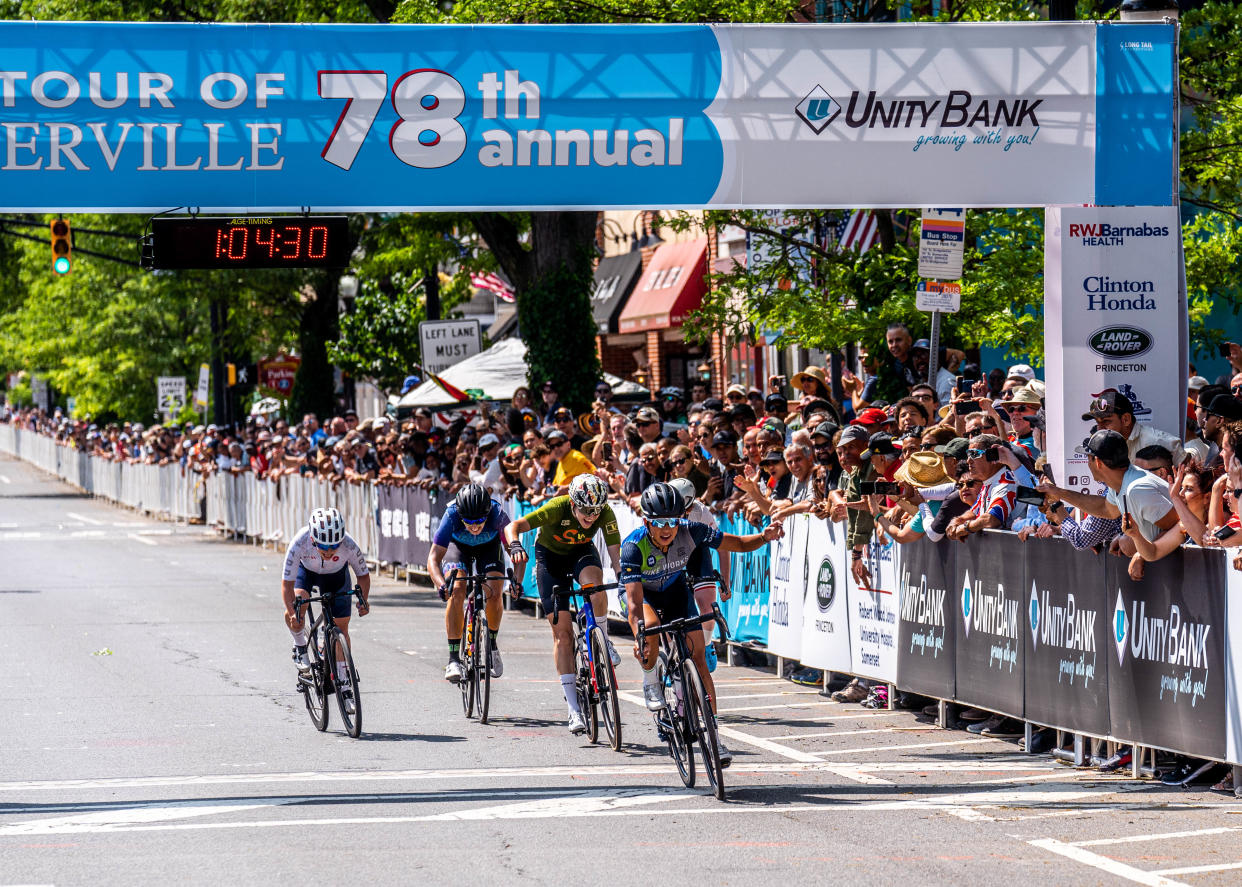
{"x":933,"y":359}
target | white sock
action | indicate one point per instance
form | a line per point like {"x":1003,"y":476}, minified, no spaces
{"x":300,"y":637}
{"x":569,"y":686}
{"x":342,"y":674}
{"x":650,"y":678}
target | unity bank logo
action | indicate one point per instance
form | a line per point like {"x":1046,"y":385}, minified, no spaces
{"x":968,"y":602}
{"x":1034,"y":616}
{"x":1120,"y":628}
{"x":818,"y":109}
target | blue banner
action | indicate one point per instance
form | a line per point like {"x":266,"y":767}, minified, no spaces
{"x":253,"y":118}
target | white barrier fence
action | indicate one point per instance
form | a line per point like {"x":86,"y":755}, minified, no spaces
{"x":267,"y":510}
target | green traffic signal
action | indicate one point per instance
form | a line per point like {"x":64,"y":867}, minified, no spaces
{"x":62,"y":247}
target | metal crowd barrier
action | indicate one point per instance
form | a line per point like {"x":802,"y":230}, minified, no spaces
{"x":241,"y":504}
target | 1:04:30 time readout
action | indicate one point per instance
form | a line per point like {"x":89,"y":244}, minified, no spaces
{"x":290,"y":243}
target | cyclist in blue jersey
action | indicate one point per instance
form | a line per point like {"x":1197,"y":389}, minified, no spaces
{"x":654,"y":562}
{"x":468,"y":540}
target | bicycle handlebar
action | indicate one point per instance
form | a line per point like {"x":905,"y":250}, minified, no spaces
{"x":560,"y":593}
{"x":321,"y":598}
{"x":685,"y":623}
{"x":457,"y":576}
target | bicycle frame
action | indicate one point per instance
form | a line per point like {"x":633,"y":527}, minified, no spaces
{"x":584,"y":620}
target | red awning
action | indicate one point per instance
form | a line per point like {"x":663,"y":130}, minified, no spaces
{"x":672,"y":285}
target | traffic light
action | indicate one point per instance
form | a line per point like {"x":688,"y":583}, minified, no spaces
{"x":231,"y":374}
{"x":62,"y":247}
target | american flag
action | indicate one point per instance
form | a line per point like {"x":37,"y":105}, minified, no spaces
{"x":492,"y":283}
{"x":859,"y":230}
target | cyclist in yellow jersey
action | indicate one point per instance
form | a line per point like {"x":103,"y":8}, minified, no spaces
{"x":564,"y":550}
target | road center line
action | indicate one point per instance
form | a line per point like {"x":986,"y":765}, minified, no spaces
{"x":142,"y":539}
{"x":84,"y":519}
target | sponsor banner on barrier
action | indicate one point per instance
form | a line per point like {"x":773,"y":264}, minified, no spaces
{"x":747,"y":610}
{"x":825,"y":608}
{"x":1233,"y":661}
{"x":1112,"y":322}
{"x":926,"y":655}
{"x":788,"y":569}
{"x":1167,"y":635}
{"x":1067,"y":649}
{"x":873,"y":615}
{"x":408,"y":518}
{"x":990,"y":569}
{"x":262,"y":118}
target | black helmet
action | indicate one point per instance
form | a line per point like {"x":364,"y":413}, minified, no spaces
{"x":473,"y":502}
{"x":662,"y":500}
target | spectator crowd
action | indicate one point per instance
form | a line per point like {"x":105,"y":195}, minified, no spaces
{"x":895,"y":457}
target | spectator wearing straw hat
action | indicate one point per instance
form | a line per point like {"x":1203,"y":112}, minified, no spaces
{"x":922,"y":471}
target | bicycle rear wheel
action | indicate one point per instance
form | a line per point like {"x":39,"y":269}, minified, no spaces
{"x":348,"y":699}
{"x":670,"y":723}
{"x":483,"y":665}
{"x":700,"y":715}
{"x":314,"y":685}
{"x":609,"y":705}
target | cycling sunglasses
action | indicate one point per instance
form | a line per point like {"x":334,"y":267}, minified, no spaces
{"x":589,"y":512}
{"x":664,"y":522}
{"x":976,"y":454}
{"x":473,"y":523}
{"x":323,"y":547}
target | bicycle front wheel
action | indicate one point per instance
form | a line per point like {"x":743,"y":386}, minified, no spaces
{"x":348,"y":699}
{"x":700,"y":715}
{"x":314,"y":685}
{"x":469,"y":682}
{"x":606,"y":689}
{"x":671,"y":722}
{"x":483,"y":666}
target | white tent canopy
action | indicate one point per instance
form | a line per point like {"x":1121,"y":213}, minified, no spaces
{"x":497,"y":372}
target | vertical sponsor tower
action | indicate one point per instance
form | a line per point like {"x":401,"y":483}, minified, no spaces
{"x":1114,"y":319}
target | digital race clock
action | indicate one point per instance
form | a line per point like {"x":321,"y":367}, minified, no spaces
{"x":248,"y":242}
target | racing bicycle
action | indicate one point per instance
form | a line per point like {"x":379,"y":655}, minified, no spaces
{"x":690,"y":719}
{"x":597,"y":679}
{"x":326,"y":648}
{"x":476,"y":643}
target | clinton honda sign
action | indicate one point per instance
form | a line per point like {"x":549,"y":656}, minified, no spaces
{"x":241,"y":118}
{"x":1114,"y":317}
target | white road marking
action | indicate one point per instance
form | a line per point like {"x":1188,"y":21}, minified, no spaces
{"x":1136,"y":839}
{"x":883,"y":748}
{"x":1103,"y":863}
{"x":142,"y":539}
{"x":118,"y":818}
{"x":776,"y":705}
{"x":720,"y":698}
{"x":1199,"y":869}
{"x":4,"y":479}
{"x":19,"y":534}
{"x":789,"y":736}
{"x":87,"y":534}
{"x":583,"y":804}
{"x":84,"y":519}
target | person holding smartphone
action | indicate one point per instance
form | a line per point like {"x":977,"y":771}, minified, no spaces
{"x":997,"y":494}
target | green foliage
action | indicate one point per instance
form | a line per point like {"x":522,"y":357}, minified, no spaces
{"x":558,"y":305}
{"x":1213,"y":245}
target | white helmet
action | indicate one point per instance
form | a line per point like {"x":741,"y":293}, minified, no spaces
{"x":327,"y":527}
{"x":588,"y":492}
{"x":685,"y":486}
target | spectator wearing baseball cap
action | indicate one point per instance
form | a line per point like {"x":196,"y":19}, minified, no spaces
{"x":486,"y":468}
{"x":851,"y":444}
{"x":1194,"y":385}
{"x":735,"y":394}
{"x":673,"y":404}
{"x":569,"y":462}
{"x":551,"y":402}
{"x":648,"y":424}
{"x":562,"y":419}
{"x":872,"y":419}
{"x":1138,"y":497}
{"x":1111,"y":410}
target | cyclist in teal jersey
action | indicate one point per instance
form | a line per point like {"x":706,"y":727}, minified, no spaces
{"x":654,"y":561}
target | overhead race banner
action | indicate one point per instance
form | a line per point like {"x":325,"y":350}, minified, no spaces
{"x":1114,"y":312}
{"x":260,"y":118}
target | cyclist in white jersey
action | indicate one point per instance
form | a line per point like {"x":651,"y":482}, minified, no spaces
{"x":318,"y":557}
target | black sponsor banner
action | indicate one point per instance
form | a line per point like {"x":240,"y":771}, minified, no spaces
{"x":1167,"y":637}
{"x":408,"y":518}
{"x":1067,"y":637}
{"x":927,"y":628}
{"x":989,"y":573}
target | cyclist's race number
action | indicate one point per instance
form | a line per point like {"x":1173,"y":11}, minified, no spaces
{"x":428,"y":102}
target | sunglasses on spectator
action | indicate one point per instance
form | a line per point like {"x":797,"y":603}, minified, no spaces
{"x":923,"y":396}
{"x":677,"y":463}
{"x":823,"y":446}
{"x":966,"y":484}
{"x":643,"y":423}
{"x":976,"y":454}
{"x":664,"y":522}
{"x":647,"y":458}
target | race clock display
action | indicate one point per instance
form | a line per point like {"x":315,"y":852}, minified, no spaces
{"x":248,"y":242}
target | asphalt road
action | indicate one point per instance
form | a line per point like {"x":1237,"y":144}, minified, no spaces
{"x":152,"y":734}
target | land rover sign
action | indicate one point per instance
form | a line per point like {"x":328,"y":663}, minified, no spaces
{"x":1120,"y":342}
